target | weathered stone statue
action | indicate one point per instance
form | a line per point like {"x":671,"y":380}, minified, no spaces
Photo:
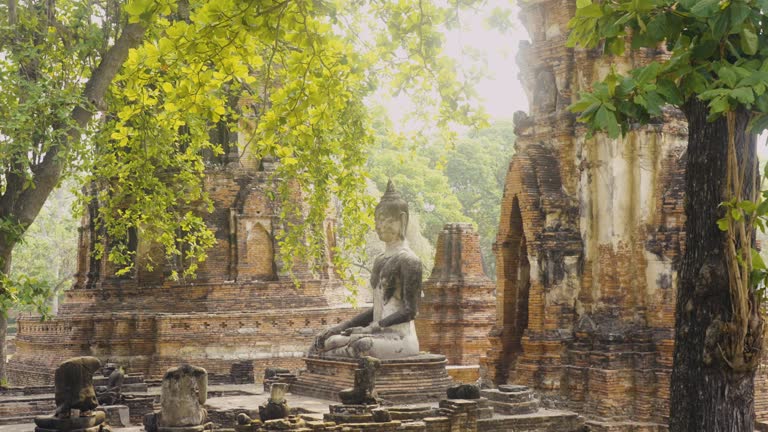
{"x":364,"y":391}
{"x":386,"y":331}
{"x":73,"y":381}
{"x":112,"y":392}
{"x":276,"y":406}
{"x":183,"y":393}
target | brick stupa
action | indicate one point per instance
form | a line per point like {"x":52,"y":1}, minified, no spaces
{"x":457,"y":310}
{"x":589,"y":240}
{"x":240,"y":314}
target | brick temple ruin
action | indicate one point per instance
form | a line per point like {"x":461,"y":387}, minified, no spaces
{"x":590,"y":234}
{"x":240,"y":314}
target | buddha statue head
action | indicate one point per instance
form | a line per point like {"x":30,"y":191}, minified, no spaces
{"x":391,"y":216}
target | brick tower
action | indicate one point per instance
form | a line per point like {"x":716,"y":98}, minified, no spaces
{"x":589,"y":236}
{"x":457,"y":309}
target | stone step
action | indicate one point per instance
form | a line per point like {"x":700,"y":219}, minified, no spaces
{"x":17,"y":420}
{"x":516,"y":408}
{"x":500,"y":396}
{"x":513,"y":388}
{"x":512,"y":399}
{"x":485,"y":413}
{"x":543,"y":420}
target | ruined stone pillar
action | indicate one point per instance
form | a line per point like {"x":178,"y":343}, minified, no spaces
{"x":457,"y":309}
{"x":589,"y":234}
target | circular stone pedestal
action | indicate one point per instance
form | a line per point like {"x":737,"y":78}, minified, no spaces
{"x":88,"y":423}
{"x":416,"y":379}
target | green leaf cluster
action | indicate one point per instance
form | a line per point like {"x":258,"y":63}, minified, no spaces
{"x":290,"y":77}
{"x":718,"y":52}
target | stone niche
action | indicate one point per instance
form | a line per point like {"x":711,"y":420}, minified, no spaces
{"x":457,"y":309}
{"x":240,"y":314}
{"x":590,"y":233}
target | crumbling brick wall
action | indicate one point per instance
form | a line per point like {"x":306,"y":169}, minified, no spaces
{"x":590,"y":233}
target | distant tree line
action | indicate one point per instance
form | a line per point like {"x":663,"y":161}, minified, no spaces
{"x":444,"y":182}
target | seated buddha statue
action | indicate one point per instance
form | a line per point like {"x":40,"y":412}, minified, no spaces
{"x":387,"y":330}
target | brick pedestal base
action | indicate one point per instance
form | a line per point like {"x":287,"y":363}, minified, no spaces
{"x":421,"y":378}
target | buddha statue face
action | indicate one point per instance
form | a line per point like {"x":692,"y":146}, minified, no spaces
{"x":389,"y":227}
{"x":391,"y":216}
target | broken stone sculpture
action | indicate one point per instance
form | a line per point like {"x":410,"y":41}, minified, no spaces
{"x":73,"y":381}
{"x":386,"y":331}
{"x":276,"y":406}
{"x":364,"y":392}
{"x":183,"y":393}
{"x":464,"y":391}
{"x":111,"y":394}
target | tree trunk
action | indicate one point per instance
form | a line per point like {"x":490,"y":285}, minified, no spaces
{"x":705,"y":393}
{"x":5,"y":268}
{"x":20,"y":202}
{"x":3,"y":354}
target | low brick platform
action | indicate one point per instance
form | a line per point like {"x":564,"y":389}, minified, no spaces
{"x":542,"y":421}
{"x":622,"y":426}
{"x":421,"y":378}
{"x":512,"y":400}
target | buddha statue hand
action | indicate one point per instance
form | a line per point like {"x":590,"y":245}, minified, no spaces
{"x":372,"y":328}
{"x":321,"y":338}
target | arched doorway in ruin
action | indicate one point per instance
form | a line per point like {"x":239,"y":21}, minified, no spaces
{"x":515,"y":283}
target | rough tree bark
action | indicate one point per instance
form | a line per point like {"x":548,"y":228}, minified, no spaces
{"x":5,"y":267}
{"x":706,"y":395}
{"x":3,"y":334}
{"x":22,"y":204}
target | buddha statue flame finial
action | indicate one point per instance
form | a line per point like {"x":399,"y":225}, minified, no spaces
{"x":392,"y":202}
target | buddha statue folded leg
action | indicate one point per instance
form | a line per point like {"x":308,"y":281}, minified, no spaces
{"x":379,"y":345}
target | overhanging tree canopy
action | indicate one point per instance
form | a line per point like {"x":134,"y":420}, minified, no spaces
{"x":129,"y":91}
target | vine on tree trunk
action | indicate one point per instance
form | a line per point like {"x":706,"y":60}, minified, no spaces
{"x":747,"y":272}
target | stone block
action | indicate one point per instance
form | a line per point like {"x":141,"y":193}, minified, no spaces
{"x":198,"y":428}
{"x":99,"y":428}
{"x":71,"y":423}
{"x":464,"y":391}
{"x":117,"y":415}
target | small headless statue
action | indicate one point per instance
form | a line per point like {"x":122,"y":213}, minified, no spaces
{"x":184,"y":391}
{"x":73,"y":381}
{"x":276,"y":406}
{"x":386,"y":331}
{"x":364,"y":391}
{"x":112,"y":392}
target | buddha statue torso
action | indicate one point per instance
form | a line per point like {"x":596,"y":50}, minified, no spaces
{"x":391,"y":274}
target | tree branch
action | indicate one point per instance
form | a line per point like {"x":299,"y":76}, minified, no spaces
{"x":24,"y":205}
{"x":12,"y":13}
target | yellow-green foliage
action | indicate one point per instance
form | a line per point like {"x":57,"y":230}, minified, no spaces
{"x":291,"y":75}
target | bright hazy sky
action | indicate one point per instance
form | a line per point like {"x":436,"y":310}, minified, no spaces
{"x":502,"y":92}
